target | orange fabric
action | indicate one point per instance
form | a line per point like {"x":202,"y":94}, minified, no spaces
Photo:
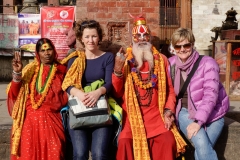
{"x":137,"y":120}
{"x":42,"y":135}
{"x":151,"y":116}
{"x":161,"y":147}
{"x":17,"y":105}
{"x":75,"y":72}
{"x":125,"y":149}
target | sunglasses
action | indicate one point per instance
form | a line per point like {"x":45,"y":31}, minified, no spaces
{"x":88,"y":23}
{"x":185,"y":46}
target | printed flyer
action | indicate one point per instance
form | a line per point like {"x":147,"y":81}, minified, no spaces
{"x":55,"y":21}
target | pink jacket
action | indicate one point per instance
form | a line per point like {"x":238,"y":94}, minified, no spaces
{"x":207,"y":99}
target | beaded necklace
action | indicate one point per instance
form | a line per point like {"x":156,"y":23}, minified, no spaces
{"x":39,"y":86}
{"x":36,"y":82}
{"x":148,"y":92}
{"x":135,"y":74}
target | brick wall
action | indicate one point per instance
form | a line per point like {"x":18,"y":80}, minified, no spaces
{"x":106,"y":11}
{"x":8,"y":9}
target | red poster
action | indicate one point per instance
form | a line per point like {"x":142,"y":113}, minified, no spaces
{"x":54,"y":23}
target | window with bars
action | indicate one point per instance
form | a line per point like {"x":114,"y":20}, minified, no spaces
{"x":169,"y":13}
{"x":1,"y":6}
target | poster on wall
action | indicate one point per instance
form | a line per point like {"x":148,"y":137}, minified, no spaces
{"x":55,"y":21}
{"x":29,"y":31}
{"x":9,"y":33}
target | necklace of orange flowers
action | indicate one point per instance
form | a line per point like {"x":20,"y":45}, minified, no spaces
{"x":134,"y":72}
{"x":37,"y":81}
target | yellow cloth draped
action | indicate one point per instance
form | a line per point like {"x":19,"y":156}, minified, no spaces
{"x":75,"y":72}
{"x":18,"y":111}
{"x":140,"y":146}
{"x":74,"y":78}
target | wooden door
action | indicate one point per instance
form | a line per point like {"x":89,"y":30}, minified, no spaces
{"x":173,"y":14}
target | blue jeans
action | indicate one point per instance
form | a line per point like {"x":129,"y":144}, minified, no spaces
{"x":97,"y":138}
{"x":205,"y":139}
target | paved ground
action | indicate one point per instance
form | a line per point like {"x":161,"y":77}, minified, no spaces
{"x":6,"y":119}
{"x":4,"y":116}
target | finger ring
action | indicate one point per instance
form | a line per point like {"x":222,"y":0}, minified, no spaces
{"x":118,"y":54}
{"x":92,"y":100}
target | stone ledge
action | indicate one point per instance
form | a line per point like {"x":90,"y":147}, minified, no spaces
{"x":226,"y":146}
{"x":5,"y":151}
{"x":5,"y":134}
{"x":235,"y":115}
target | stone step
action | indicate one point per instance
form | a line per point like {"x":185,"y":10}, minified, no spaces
{"x":235,"y":115}
{"x":5,"y":133}
{"x":226,"y":146}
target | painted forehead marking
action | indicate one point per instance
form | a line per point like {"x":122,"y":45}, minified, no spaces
{"x":141,"y":29}
{"x":45,"y":46}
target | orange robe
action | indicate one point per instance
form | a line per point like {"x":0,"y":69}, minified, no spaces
{"x":152,"y":120}
{"x":42,"y":135}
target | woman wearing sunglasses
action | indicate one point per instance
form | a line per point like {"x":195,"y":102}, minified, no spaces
{"x":200,"y":111}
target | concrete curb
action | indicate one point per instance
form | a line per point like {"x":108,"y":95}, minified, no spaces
{"x":5,"y":135}
{"x":226,"y":146}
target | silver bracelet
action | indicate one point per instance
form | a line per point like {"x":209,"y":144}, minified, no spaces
{"x":18,"y":73}
{"x":118,"y":75}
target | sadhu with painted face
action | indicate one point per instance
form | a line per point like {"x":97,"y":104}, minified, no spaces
{"x":35,"y":98}
{"x":142,"y":80}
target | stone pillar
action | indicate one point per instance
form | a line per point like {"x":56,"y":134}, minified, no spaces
{"x":27,"y":6}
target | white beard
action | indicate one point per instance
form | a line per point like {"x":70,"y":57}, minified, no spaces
{"x":142,"y":51}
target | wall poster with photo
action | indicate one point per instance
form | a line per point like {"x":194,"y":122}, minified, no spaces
{"x":29,"y":32}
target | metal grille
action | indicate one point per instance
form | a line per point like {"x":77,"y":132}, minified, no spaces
{"x":169,"y":16}
{"x":169,"y":19}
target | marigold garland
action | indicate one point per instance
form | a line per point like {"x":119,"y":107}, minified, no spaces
{"x":39,"y":87}
{"x":140,"y":148}
{"x":18,"y":110}
{"x":44,"y":92}
{"x":134,"y":71}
